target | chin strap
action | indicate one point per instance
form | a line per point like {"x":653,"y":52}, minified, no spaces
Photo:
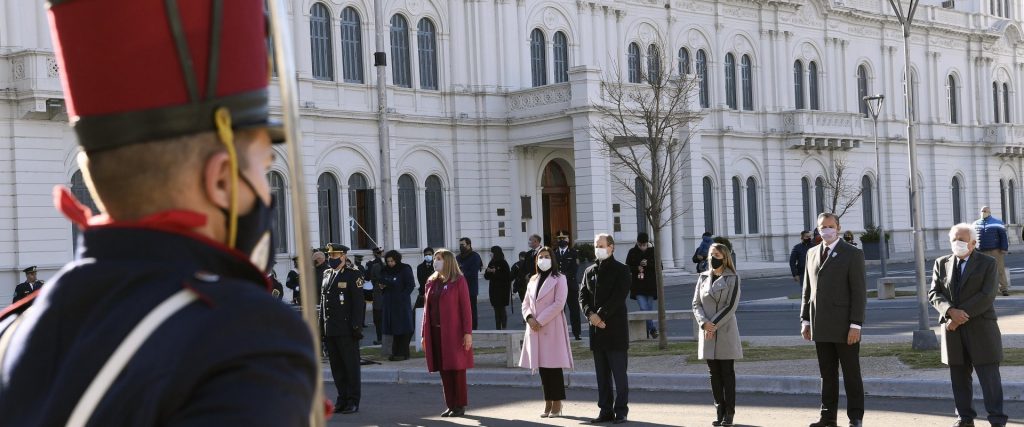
{"x":222,"y":118}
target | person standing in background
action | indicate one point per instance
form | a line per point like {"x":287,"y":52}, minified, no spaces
{"x":374,"y":272}
{"x":565,"y":256}
{"x":644,"y":288}
{"x":470,"y":264}
{"x":499,"y":286}
{"x":397,"y":283}
{"x":993,"y":241}
{"x":798,"y":257}
{"x":31,"y":284}
{"x":700,"y":255}
{"x":715,"y":299}
{"x":423,"y":272}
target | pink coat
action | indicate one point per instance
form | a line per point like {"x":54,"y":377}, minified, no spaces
{"x":456,"y":321}
{"x":548,"y":347}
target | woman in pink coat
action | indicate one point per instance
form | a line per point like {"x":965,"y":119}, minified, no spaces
{"x":447,"y":330}
{"x":546,"y":344}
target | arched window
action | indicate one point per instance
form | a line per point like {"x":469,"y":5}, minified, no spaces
{"x":328,"y":204}
{"x":633,"y":62}
{"x":709,"y":205}
{"x":952,"y":93}
{"x":653,"y":64}
{"x":730,"y":81}
{"x":401,"y":72}
{"x":798,"y":84}
{"x":805,"y":192}
{"x":1006,"y":103}
{"x":747,"y":74}
{"x":957,"y":201}
{"x":426,"y":44}
{"x":361,"y":208}
{"x":279,"y":227}
{"x":538,"y":58}
{"x":737,"y":206}
{"x":819,"y":195}
{"x":81,"y":192}
{"x":684,"y":61}
{"x":320,"y":42}
{"x":862,"y":89}
{"x":995,"y":101}
{"x":435,"y":212}
{"x":408,"y":234}
{"x":1011,"y":195}
{"x":868,"y":198}
{"x":640,"y":190}
{"x":752,"y":214}
{"x":702,"y":74}
{"x":351,"y":46}
{"x":561,"y":53}
{"x":812,"y":84}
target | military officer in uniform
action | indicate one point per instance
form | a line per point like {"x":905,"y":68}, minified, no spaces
{"x":28,"y":286}
{"x":165,"y":317}
{"x":343,"y":309}
{"x":567,"y":263}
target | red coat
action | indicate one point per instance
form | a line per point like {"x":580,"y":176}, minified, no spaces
{"x":456,"y":322}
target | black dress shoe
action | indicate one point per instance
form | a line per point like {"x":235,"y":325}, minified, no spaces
{"x":717,"y":422}
{"x":964,"y":423}
{"x":350,"y":409}
{"x":1005,"y":294}
{"x":458,"y":412}
{"x":824,"y":423}
{"x":727,"y":422}
{"x":447,"y":412}
{"x":856,"y":423}
{"x":577,"y":337}
{"x":619,"y":420}
{"x":602,"y":419}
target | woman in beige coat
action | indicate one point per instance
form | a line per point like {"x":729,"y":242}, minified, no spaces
{"x":715,"y":299}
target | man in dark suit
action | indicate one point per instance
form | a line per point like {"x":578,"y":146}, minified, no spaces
{"x":964,"y":287}
{"x":343,"y":309}
{"x":566,"y":256}
{"x":831,"y":314}
{"x":28,"y":286}
{"x":603,"y":299}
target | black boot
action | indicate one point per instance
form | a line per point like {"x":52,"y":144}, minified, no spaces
{"x":721,"y":415}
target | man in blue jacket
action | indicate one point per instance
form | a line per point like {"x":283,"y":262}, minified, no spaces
{"x":798,"y":256}
{"x":470,"y":264}
{"x":993,"y":241}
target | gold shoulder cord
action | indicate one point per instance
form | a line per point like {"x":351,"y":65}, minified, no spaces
{"x":226,"y":136}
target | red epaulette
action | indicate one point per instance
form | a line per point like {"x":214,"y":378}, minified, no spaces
{"x":20,"y":306}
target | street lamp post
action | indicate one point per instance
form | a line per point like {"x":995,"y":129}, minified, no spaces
{"x":874,"y":104}
{"x":924,"y":338}
{"x":383,"y":135}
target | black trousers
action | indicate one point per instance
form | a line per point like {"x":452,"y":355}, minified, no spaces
{"x":400,"y":345}
{"x":611,"y":365}
{"x":572,"y":301}
{"x":830,"y":357}
{"x":963,"y":388}
{"x":500,"y":317}
{"x":343,"y":352}
{"x":723,"y":386}
{"x":378,"y":324}
{"x":553,"y":383}
{"x":472,"y":304}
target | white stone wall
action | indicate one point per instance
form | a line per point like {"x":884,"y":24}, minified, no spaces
{"x":488,"y":135}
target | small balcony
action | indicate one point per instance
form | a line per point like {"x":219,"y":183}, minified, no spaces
{"x":548,"y":100}
{"x":1006,"y":140}
{"x":820,"y":130}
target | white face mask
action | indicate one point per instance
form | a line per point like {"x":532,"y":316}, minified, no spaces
{"x":601,"y":253}
{"x":544,"y":264}
{"x":428,"y":258}
{"x":960,"y":248}
{"x":438,"y":264}
{"x":829,"y":234}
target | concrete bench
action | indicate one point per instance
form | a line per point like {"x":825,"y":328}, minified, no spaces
{"x":638,"y":322}
{"x":886,"y":286}
{"x":512,"y":340}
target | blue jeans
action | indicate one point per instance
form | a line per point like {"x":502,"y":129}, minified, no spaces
{"x":647,"y":304}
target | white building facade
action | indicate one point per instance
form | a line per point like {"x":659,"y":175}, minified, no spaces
{"x":491,"y":114}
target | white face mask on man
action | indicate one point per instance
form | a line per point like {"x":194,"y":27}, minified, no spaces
{"x":601,"y":254}
{"x":960,"y":248}
{"x":428,"y":258}
{"x":829,"y":234}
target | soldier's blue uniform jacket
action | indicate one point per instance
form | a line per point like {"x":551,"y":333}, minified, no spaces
{"x":341,"y":302}
{"x":235,"y":356}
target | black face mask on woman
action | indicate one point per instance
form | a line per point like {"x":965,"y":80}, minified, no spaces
{"x":716,"y":263}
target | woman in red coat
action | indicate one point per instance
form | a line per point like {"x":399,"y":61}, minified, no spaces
{"x":447,"y":330}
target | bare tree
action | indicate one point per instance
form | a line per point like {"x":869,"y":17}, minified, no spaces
{"x":841,"y":192}
{"x":645,"y":130}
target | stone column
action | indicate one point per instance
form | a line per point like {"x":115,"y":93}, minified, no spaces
{"x":593,"y":213}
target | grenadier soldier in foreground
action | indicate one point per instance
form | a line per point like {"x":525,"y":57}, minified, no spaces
{"x":343,"y":309}
{"x":165,"y":317}
{"x":31,"y":284}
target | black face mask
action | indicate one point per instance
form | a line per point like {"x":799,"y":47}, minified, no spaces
{"x":463,"y":248}
{"x":334,"y":262}
{"x":716,"y":263}
{"x":254,"y":230}
{"x":563,"y":244}
{"x":807,"y":240}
